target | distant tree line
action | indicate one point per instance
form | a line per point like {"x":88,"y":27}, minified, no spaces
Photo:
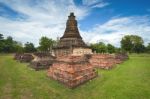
{"x":103,"y":48}
{"x":129,"y":43}
{"x":8,"y":45}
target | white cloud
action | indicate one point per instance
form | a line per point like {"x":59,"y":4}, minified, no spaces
{"x":90,"y":2}
{"x":48,"y":18}
{"x":44,"y":18}
{"x":100,"y":5}
{"x":113,"y":30}
{"x":95,"y":3}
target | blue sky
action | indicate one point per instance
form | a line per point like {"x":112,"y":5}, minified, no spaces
{"x":98,"y":20}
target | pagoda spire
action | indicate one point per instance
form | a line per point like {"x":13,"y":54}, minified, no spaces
{"x":71,"y":42}
{"x":71,"y":30}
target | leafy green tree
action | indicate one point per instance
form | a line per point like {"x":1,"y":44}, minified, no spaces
{"x":1,"y":42}
{"x":148,"y":48}
{"x":8,"y":45}
{"x":126,"y":43}
{"x":138,"y":48}
{"x":18,"y":47}
{"x":1,"y":37}
{"x":94,"y":47}
{"x":132,"y":43}
{"x":99,"y":47}
{"x":29,"y":47}
{"x":110,"y":48}
{"x":46,"y":44}
{"x":102,"y":48}
{"x":118,"y":50}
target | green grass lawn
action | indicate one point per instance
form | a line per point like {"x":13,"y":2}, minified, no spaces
{"x":130,"y":80}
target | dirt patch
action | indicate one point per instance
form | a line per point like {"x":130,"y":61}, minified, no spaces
{"x":6,"y":93}
{"x":26,"y":94}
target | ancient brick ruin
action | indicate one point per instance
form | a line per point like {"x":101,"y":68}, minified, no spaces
{"x":74,"y":63}
{"x":23,"y":57}
{"x":71,"y":42}
{"x":104,"y":61}
{"x":42,"y":61}
{"x":107,"y":61}
{"x":17,"y":56}
{"x":72,"y":70}
{"x":70,"y":67}
{"x":37,"y":61}
{"x":121,"y":57}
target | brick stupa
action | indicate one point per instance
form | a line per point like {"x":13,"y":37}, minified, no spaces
{"x":71,"y":42}
{"x":71,"y":67}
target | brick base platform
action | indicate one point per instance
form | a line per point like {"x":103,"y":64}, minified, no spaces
{"x":72,"y":71}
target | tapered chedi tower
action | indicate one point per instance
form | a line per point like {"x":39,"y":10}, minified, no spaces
{"x":71,"y":42}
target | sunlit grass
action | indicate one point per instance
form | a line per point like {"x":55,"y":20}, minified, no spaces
{"x":130,"y":80}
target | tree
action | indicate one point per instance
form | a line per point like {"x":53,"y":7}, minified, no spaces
{"x":8,"y":45}
{"x":110,"y":48}
{"x":46,"y":44}
{"x":99,"y":47}
{"x":102,"y":47}
{"x":139,"y":48}
{"x":132,"y":43}
{"x":1,"y":42}
{"x":148,"y":48}
{"x":18,"y":47}
{"x":1,"y":37}
{"x":137,"y":43}
{"x":29,"y":47}
{"x":118,"y":50}
{"x":94,"y":47}
{"x":126,"y":43}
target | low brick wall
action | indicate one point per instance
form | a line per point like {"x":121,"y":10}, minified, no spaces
{"x":23,"y":57}
{"x":105,"y":61}
{"x":120,"y":57}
